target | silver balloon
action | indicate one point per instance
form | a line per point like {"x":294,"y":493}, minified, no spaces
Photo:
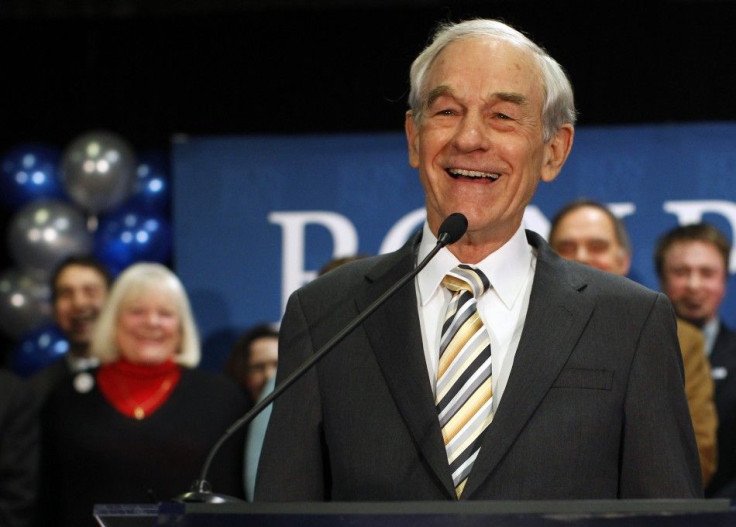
{"x":24,"y":302}
{"x":98,"y":171}
{"x":44,"y":232}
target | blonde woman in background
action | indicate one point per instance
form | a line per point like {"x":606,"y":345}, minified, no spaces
{"x":138,"y":429}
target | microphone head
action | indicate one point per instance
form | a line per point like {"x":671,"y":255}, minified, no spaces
{"x":452,"y":229}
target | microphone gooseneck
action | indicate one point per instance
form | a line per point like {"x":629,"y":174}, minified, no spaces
{"x":451,"y":230}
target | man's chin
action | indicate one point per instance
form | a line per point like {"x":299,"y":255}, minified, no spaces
{"x":78,"y":346}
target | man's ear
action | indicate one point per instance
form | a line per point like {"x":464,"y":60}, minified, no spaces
{"x":556,"y":151}
{"x":625,"y":263}
{"x":412,"y":138}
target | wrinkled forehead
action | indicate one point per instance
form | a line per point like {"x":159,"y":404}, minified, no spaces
{"x":589,"y":220}
{"x":490,"y":53}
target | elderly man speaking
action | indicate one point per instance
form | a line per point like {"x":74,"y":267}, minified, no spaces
{"x":501,"y":371}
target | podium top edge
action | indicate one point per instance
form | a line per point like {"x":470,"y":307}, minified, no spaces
{"x":565,"y":507}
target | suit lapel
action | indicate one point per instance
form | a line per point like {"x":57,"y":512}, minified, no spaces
{"x":399,"y":352}
{"x":556,"y":316}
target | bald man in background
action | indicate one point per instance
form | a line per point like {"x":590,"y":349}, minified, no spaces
{"x":587,"y":232}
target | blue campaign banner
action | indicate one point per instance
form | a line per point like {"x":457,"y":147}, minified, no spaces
{"x":256,"y":217}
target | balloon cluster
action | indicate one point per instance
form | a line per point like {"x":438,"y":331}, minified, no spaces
{"x":96,"y":196}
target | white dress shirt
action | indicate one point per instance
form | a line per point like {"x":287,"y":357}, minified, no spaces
{"x":77,"y":363}
{"x":710,"y":332}
{"x":503,"y":307}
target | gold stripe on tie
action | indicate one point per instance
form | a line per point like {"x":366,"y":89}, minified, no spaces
{"x":464,"y":382}
{"x":469,"y":329}
{"x":468,"y":410}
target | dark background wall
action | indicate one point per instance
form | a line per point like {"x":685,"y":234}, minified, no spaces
{"x":149,"y":69}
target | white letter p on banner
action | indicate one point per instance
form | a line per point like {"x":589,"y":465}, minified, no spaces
{"x":293,"y":226}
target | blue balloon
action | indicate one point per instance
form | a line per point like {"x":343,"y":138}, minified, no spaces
{"x":129,"y":235}
{"x":30,"y":172}
{"x":152,"y":190}
{"x":37,"y":349}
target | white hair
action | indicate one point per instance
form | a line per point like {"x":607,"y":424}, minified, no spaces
{"x":136,"y":279}
{"x":559,"y":103}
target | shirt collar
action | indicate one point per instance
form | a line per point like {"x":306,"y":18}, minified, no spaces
{"x":507,"y":268}
{"x":77,"y":363}
{"x":710,"y":332}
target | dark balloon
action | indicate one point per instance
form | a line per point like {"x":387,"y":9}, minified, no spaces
{"x":129,"y":235}
{"x":38,"y":349}
{"x":29,"y":172}
{"x":25,"y":301}
{"x":152,"y":190}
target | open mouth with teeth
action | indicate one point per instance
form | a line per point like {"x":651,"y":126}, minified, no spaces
{"x":472,"y":174}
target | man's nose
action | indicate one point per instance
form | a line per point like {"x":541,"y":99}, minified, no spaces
{"x":79,"y":300}
{"x":582,"y":254}
{"x":693,"y":280}
{"x":472,"y":133}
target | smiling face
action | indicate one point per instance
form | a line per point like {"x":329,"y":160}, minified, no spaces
{"x":587,"y":235}
{"x":479,"y":147}
{"x":262,"y":362}
{"x":694,"y":278}
{"x":79,"y":293}
{"x":148,"y":329}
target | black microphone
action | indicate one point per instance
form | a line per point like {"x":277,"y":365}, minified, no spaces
{"x":451,"y":230}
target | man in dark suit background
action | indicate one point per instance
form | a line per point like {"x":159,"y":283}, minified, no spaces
{"x":79,"y":288}
{"x":692,"y":263}
{"x":587,"y":395}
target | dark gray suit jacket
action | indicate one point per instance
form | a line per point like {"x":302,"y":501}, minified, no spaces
{"x":19,"y":451}
{"x":723,"y":357}
{"x":594,"y":407}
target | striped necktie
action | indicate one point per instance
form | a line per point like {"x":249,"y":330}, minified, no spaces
{"x":464,"y":389}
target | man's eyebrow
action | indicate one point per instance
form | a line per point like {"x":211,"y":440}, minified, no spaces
{"x":436,"y":93}
{"x":512,"y":97}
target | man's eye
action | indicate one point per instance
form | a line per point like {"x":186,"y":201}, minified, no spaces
{"x":565,"y":248}
{"x":503,"y":117}
{"x":446,"y":112}
{"x":598,"y":247}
